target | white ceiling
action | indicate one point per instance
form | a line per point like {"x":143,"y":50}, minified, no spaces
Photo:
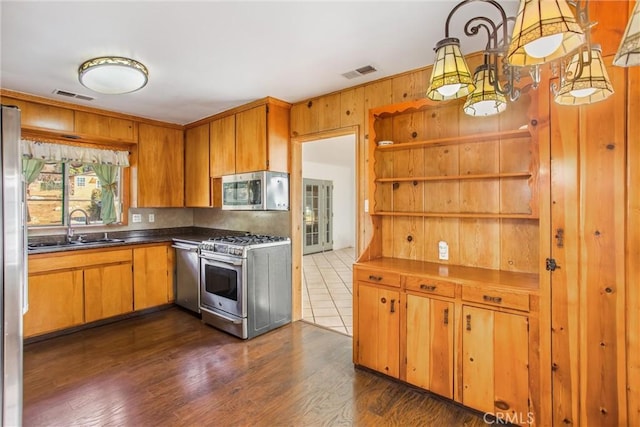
{"x":208,"y":56}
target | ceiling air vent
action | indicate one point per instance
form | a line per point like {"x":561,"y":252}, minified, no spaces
{"x":359,"y":72}
{"x":72,"y":95}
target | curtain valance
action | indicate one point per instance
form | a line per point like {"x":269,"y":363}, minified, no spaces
{"x":49,"y":152}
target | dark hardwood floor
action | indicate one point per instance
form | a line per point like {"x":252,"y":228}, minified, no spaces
{"x":167,"y":368}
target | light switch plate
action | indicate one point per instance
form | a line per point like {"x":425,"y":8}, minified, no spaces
{"x":136,"y":218}
{"x":152,"y":217}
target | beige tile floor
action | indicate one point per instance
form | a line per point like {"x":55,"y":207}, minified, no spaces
{"x":327,"y":289}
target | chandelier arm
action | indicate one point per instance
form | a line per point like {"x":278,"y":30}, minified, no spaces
{"x":503,"y":15}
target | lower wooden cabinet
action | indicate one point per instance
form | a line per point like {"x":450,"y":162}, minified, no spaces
{"x":495,"y":362}
{"x":68,"y":289}
{"x":152,"y":276}
{"x":108,"y":291}
{"x":379,"y":325}
{"x":429,"y":344}
{"x":55,"y":302}
{"x":453,"y":335}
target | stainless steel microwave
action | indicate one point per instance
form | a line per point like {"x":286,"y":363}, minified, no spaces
{"x":256,"y":191}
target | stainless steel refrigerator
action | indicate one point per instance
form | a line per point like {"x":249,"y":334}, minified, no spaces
{"x":14,"y":267}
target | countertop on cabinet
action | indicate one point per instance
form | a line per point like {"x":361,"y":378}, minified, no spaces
{"x":137,"y":237}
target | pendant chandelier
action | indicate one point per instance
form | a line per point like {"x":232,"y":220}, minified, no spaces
{"x":544,"y":31}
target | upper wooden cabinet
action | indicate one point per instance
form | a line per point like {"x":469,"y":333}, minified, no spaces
{"x":262,"y":139}
{"x":160,"y":167}
{"x":196,"y":167}
{"x":43,"y":116}
{"x":104,"y":126}
{"x":222,"y":146}
{"x":56,"y":121}
{"x":304,"y":118}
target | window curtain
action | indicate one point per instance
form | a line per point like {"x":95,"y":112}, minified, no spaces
{"x":71,"y":153}
{"x":107,"y":175}
{"x":31,"y":169}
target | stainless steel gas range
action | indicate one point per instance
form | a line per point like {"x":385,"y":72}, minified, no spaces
{"x":245,"y":283}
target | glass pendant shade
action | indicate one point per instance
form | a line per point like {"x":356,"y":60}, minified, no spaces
{"x":450,"y":77}
{"x":629,"y":50}
{"x":593,"y":85}
{"x":545,"y":30}
{"x":484,"y":100}
{"x":113,"y":75}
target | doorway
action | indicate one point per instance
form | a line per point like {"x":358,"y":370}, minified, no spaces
{"x":317,"y":216}
{"x":327,"y":218}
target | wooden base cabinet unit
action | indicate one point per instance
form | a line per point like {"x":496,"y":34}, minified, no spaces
{"x":429,"y":349}
{"x":379,"y":311}
{"x":55,"y":302}
{"x":495,"y":363}
{"x":152,"y":276}
{"x":68,"y":289}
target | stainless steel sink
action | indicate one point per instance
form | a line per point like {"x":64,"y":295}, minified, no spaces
{"x":100,"y":241}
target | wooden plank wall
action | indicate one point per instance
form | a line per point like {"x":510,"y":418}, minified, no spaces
{"x":595,"y":318}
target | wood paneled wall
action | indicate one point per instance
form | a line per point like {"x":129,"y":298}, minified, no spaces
{"x":594,"y":312}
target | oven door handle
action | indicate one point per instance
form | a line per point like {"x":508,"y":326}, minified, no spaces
{"x":222,"y":316}
{"x":228,"y":262}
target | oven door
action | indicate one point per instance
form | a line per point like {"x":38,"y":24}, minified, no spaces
{"x":221,"y":284}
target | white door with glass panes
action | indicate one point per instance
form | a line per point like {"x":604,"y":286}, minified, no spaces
{"x":317,"y":215}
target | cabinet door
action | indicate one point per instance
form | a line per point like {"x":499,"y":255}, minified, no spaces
{"x":151,"y":276}
{"x":160,"y":175}
{"x":430,"y":344}
{"x":305,"y":118}
{"x":42,"y":115}
{"x":107,"y":291}
{"x":196,"y":167}
{"x":222,"y":146}
{"x":55,"y":302}
{"x":104,"y":126}
{"x":251,"y":140}
{"x":495,"y":372}
{"x":379,"y":329}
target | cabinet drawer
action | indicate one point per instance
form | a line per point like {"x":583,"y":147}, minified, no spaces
{"x":430,"y":286}
{"x":379,"y":277}
{"x":498,"y":298}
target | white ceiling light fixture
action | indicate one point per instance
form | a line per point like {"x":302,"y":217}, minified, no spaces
{"x":113,"y":75}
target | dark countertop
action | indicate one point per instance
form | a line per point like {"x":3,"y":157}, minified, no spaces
{"x":137,"y":237}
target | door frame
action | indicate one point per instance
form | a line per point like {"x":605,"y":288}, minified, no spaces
{"x":295,"y":184}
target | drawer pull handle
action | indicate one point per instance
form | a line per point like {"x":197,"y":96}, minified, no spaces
{"x":376,"y":278}
{"x":383,"y":300}
{"x":393,"y":306}
{"x":468,"y":322}
{"x":446,"y":316}
{"x":429,"y":288}
{"x":488,"y":298}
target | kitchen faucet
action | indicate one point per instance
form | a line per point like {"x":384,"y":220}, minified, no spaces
{"x":69,"y":229}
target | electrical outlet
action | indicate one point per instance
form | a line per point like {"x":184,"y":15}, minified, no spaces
{"x":152,"y":217}
{"x":443,"y":251}
{"x":136,"y":218}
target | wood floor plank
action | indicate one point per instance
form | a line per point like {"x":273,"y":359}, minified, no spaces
{"x":169,"y":369}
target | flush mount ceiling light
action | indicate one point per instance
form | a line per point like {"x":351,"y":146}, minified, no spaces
{"x":113,"y":75}
{"x":544,"y":31}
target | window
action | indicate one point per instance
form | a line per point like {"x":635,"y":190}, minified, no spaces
{"x":63,"y":188}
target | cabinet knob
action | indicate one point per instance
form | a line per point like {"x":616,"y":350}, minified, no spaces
{"x":429,"y":288}
{"x":375,"y":278}
{"x":393,"y":306}
{"x":446,"y":316}
{"x":383,"y":300}
{"x":468,"y":322}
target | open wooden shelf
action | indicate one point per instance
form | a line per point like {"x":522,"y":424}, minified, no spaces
{"x":456,"y":177}
{"x":482,"y":137}
{"x":457,"y":215}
